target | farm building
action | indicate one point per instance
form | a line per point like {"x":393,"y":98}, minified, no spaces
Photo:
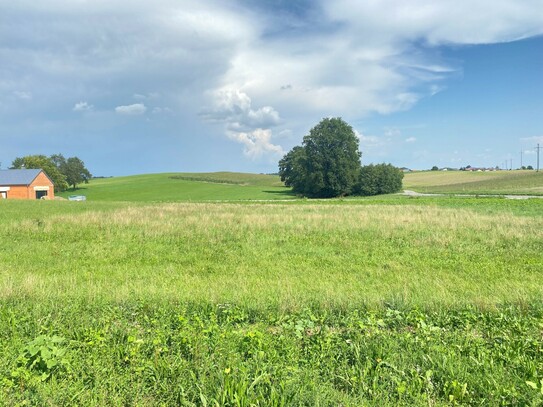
{"x":26,"y":184}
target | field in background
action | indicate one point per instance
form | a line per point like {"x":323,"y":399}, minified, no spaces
{"x":472,"y":182}
{"x":229,"y":186}
{"x":383,"y":301}
{"x":169,"y":187}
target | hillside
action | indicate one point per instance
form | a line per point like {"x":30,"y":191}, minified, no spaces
{"x":220,"y":186}
{"x":170,"y":187}
{"x":466,"y":182}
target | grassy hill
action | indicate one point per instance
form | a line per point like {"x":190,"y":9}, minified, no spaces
{"x":221,"y":186}
{"x":168,"y":187}
{"x":466,"y":182}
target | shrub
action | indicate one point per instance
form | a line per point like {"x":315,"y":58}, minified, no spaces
{"x":379,"y":179}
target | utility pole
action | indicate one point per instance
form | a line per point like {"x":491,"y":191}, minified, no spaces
{"x":511,"y":166}
{"x":538,"y":148}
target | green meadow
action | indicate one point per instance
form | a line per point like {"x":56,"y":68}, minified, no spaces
{"x":141,"y":298}
{"x":174,"y":187}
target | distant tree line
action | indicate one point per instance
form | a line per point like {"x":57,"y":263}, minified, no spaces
{"x":64,"y":172}
{"x":327,"y":164}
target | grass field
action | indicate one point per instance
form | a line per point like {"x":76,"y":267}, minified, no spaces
{"x":227,"y":186}
{"x":467,"y":182}
{"x":384,"y":301}
{"x":169,"y":187}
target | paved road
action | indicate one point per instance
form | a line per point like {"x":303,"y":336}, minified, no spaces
{"x":413,"y":193}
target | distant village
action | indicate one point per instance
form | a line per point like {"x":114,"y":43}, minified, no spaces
{"x":468,"y":168}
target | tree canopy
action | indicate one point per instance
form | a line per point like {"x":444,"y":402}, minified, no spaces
{"x":379,"y":179}
{"x":327,"y":164}
{"x":44,"y":163}
{"x":63,"y":172}
{"x":73,"y":169}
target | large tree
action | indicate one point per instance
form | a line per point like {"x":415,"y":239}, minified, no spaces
{"x":292,"y":168}
{"x":327,"y":164}
{"x":73,"y":169}
{"x":44,"y":163}
{"x":63,"y":172}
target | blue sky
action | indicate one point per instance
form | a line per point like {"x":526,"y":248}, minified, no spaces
{"x":138,"y":87}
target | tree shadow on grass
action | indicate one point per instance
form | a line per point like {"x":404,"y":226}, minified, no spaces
{"x":287,"y":193}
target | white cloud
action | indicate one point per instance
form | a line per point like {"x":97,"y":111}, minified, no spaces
{"x":248,"y":126}
{"x":367,"y":141}
{"x":410,"y":139}
{"x":23,"y":95}
{"x":257,"y":143}
{"x":234,"y":107}
{"x":131,"y":110}
{"x":159,"y":110}
{"x":83,"y":107}
{"x":534,"y":140}
{"x":440,"y":22}
{"x":393,"y":132}
{"x":370,"y":57}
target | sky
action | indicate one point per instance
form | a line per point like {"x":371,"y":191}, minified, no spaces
{"x":134,"y":87}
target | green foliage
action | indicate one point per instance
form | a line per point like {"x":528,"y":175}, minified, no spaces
{"x":73,"y":169}
{"x":327,"y":164}
{"x":45,"y":163}
{"x":169,"y":353}
{"x":63,"y":172}
{"x":376,"y":302}
{"x":379,"y":179}
{"x":44,"y":355}
{"x":435,"y":168}
{"x":292,"y":168}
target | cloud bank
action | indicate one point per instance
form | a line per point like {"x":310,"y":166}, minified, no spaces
{"x":254,"y":68}
{"x":243,"y":124}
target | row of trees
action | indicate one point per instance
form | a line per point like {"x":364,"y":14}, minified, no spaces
{"x":64,"y":172}
{"x":327,"y":164}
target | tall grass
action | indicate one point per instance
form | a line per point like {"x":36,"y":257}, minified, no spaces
{"x":287,"y":255}
{"x":385,"y":301}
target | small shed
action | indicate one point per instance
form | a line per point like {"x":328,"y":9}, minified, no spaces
{"x":26,"y":184}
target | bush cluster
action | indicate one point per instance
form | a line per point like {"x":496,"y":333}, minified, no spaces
{"x":328,"y":165}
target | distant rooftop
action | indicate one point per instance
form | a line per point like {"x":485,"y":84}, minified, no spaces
{"x":18,"y":177}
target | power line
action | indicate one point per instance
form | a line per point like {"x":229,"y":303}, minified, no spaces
{"x":538,"y":148}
